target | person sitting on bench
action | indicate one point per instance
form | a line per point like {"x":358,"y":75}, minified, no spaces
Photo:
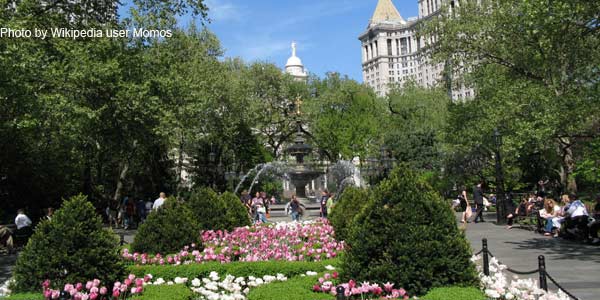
{"x":23,"y":223}
{"x":578,"y":218}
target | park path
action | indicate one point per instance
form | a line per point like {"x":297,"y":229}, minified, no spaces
{"x":574,"y":265}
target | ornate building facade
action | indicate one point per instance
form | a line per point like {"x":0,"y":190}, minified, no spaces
{"x":392,"y":52}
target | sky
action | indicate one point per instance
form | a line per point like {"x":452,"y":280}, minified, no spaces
{"x":326,"y":31}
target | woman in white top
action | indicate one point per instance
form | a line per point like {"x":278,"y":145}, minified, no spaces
{"x":549,"y":212}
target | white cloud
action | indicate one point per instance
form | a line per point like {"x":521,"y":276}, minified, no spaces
{"x":219,"y":10}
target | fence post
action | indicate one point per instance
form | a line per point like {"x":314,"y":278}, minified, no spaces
{"x":542,"y":270}
{"x":486,"y":260}
{"x":340,"y":293}
{"x":122,"y":239}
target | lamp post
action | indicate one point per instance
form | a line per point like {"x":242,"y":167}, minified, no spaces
{"x":230,"y":175}
{"x":500,"y":197}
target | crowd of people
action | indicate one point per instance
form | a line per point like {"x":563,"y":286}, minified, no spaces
{"x":258,"y":207}
{"x":567,"y":217}
{"x":131,"y":213}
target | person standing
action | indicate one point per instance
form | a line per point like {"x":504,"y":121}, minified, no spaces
{"x":330,"y":203}
{"x":49,"y":214}
{"x":140,"y":208}
{"x":258,"y":206}
{"x":323,"y":202}
{"x":159,"y":201}
{"x":24,"y":230}
{"x":478,"y":199}
{"x":296,"y":208}
{"x":464,"y":205}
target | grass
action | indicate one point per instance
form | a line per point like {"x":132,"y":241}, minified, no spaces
{"x":455,"y":293}
{"x":297,"y":288}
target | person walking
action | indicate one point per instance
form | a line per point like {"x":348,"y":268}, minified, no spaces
{"x":330,"y":203}
{"x":478,"y":198}
{"x":159,"y":201}
{"x":258,"y":206}
{"x":296,"y":208}
{"x":140,"y":209}
{"x":323,"y":202}
{"x":464,"y":205}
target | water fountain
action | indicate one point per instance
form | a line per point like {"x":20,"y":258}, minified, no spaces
{"x":300,"y":172}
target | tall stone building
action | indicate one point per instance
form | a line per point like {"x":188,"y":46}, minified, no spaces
{"x":392,"y":51}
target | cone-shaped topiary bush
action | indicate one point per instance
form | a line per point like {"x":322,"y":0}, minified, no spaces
{"x":72,"y":247}
{"x":208,"y":208}
{"x":349,"y":204}
{"x":407,"y":235}
{"x":236,"y":213}
{"x":167,"y":230}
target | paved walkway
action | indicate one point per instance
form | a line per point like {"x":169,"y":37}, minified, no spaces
{"x":574,"y":265}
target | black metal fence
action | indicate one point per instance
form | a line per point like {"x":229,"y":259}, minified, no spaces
{"x":541,"y":270}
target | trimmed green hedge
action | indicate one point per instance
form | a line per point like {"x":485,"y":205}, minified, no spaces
{"x":297,"y":288}
{"x":25,"y":296}
{"x":162,"y":292}
{"x":455,"y":293}
{"x":191,"y":271}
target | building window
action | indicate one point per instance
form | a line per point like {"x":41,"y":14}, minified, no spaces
{"x":389,"y":47}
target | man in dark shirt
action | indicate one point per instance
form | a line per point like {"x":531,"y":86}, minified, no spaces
{"x":323,"y":202}
{"x":478,"y":198}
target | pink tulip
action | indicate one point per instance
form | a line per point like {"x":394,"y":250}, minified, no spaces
{"x":103,"y":290}
{"x":116,"y":293}
{"x":388,"y":286}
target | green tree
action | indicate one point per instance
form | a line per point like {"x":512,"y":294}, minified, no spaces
{"x":344,"y":117}
{"x":428,"y":250}
{"x":415,"y":131}
{"x":209,"y":209}
{"x":167,"y":230}
{"x":534,"y":66}
{"x":236,"y":213}
{"x":72,"y":247}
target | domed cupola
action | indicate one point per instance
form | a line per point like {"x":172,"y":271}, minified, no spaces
{"x":294,"y":65}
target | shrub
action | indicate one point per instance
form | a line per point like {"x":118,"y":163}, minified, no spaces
{"x":208,"y":208}
{"x":167,"y":230}
{"x":236,"y":213}
{"x":407,"y":235}
{"x":351,"y":201}
{"x":72,"y":247}
{"x":258,"y":269}
{"x":163,"y":291}
{"x":455,"y":293}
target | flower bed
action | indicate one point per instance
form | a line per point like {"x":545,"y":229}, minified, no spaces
{"x":308,"y":241}
{"x":92,"y":290}
{"x":499,"y":286}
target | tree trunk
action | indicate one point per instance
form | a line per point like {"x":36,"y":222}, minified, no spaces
{"x":567,"y":166}
{"x":122,"y":176}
